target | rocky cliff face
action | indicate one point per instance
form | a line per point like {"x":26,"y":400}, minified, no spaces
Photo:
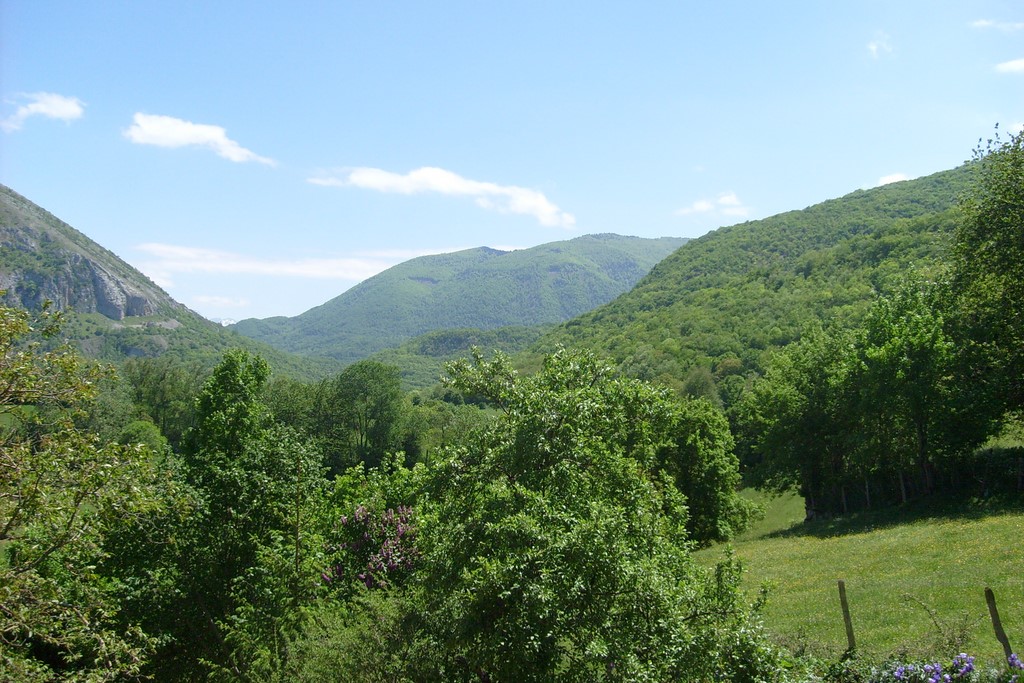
{"x":45,"y":259}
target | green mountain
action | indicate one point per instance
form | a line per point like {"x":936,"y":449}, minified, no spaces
{"x":477,"y":288}
{"x":722,"y":303}
{"x":113,"y":310}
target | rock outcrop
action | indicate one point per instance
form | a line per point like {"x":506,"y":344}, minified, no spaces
{"x":44,"y":259}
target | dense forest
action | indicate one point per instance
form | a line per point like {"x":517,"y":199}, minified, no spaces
{"x":166,"y":521}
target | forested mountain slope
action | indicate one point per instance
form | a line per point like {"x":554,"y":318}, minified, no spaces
{"x":114,"y":311}
{"x":421,"y":360}
{"x":477,"y":288}
{"x":735,"y":293}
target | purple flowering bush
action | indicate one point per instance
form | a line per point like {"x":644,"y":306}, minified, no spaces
{"x":376,"y":550}
{"x":961,"y":668}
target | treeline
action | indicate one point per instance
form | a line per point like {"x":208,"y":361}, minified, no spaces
{"x":180,"y":525}
{"x":898,"y":406}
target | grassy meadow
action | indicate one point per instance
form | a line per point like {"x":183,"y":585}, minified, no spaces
{"x":915,"y":578}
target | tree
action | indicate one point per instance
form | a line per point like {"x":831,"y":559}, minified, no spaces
{"x":700,"y":457}
{"x":839,"y":409}
{"x":164,"y":390}
{"x":358,"y":415}
{"x":905,"y":364}
{"x":225,"y":578}
{"x":62,"y":493}
{"x":796,"y":422}
{"x":553,"y":545}
{"x":988,"y":271}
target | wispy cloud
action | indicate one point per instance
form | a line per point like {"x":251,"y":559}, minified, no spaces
{"x":167,"y":131}
{"x":881,"y":44}
{"x":501,"y":198}
{"x":1000,"y":25}
{"x":167,"y":260}
{"x":891,"y":178}
{"x":46,"y":104}
{"x":726,"y":204}
{"x":1015,"y":66}
{"x":221,"y":301}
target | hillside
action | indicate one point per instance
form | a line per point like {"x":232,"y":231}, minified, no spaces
{"x":114,"y":311}
{"x":44,"y":259}
{"x":477,"y":288}
{"x":740,"y":291}
{"x":422,"y":359}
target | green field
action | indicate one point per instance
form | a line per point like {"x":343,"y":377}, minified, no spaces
{"x":915,"y":578}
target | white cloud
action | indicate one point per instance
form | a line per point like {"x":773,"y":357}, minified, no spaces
{"x":1001,"y":25}
{"x":1015,"y":66}
{"x":892,"y":178}
{"x":699,"y":206}
{"x":167,"y":260}
{"x":167,"y":131}
{"x":221,"y":301}
{"x":502,"y":198}
{"x":879,"y":45}
{"x":727,"y":204}
{"x":46,"y":104}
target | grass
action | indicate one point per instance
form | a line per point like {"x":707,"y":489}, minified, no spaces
{"x":915,"y":577}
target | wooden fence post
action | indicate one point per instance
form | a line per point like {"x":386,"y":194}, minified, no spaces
{"x":997,"y":625}
{"x":851,"y":645}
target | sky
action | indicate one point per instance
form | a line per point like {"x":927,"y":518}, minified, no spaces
{"x":258,"y":158}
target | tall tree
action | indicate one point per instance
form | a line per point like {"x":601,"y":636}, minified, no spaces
{"x":700,"y":456}
{"x":554,"y":546}
{"x":905,"y":364}
{"x":62,"y":493}
{"x":796,"y":422}
{"x":229,"y":574}
{"x":359,"y":415}
{"x":988,"y":270}
{"x":164,"y":389}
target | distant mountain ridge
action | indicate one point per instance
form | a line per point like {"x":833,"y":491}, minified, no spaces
{"x":478,"y":288}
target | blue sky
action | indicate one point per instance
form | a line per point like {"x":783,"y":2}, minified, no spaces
{"x":259,"y":158}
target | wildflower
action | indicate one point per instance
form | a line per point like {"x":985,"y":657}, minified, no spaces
{"x":964,"y":664}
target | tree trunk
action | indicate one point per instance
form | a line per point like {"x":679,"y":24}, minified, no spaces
{"x":922,"y":456}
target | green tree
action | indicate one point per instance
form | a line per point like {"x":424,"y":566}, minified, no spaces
{"x":988,"y":272}
{"x":553,"y":545}
{"x":796,"y":423}
{"x":227,"y":576}
{"x":700,"y":457}
{"x":905,"y":363}
{"x":62,"y":493}
{"x":358,"y":415}
{"x":164,"y":390}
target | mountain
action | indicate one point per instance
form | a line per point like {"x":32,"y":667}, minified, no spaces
{"x":113,"y":310}
{"x":42,"y":258}
{"x":720,"y":305}
{"x":477,"y":288}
